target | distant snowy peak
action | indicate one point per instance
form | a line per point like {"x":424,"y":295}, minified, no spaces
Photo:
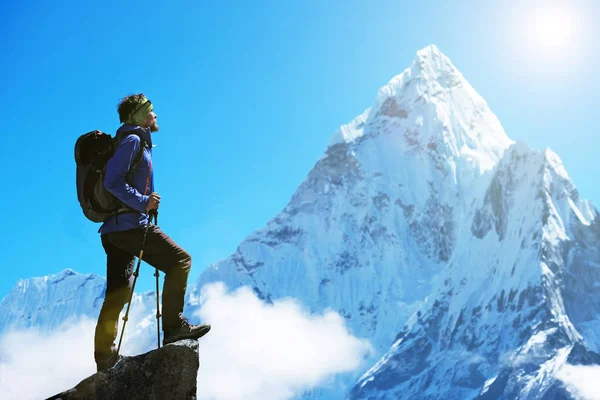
{"x":47,"y":301}
{"x":45,"y":281}
{"x":430,"y":107}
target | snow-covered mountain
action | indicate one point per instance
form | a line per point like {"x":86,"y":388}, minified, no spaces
{"x":422,"y":203}
{"x":429,"y":231}
{"x":378,"y":217}
{"x":518,"y":299}
{"x":49,"y":301}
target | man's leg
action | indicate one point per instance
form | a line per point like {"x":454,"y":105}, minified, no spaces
{"x":160,"y":251}
{"x":163,"y":253}
{"x":119,"y":270}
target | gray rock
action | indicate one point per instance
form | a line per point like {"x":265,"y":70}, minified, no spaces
{"x":166,"y":373}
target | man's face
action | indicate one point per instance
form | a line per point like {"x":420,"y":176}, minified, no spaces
{"x":151,"y":123}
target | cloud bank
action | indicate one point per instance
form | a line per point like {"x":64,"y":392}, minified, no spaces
{"x":257,"y":350}
{"x":581,"y":380}
{"x":37,"y":365}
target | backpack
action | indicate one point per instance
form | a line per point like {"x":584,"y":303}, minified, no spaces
{"x":92,"y":152}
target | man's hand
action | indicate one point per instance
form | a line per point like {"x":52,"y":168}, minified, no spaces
{"x":153,"y":201}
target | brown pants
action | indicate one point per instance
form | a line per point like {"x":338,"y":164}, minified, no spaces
{"x":160,"y":251}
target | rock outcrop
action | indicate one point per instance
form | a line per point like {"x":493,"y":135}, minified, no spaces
{"x":166,"y":373}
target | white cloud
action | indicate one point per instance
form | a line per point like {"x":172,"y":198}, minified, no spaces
{"x":581,"y":380}
{"x":257,"y":350}
{"x":37,"y":365}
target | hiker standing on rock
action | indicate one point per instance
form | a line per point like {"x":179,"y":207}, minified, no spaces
{"x":122,"y":235}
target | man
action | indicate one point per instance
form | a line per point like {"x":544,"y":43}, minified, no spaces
{"x":122,"y":235}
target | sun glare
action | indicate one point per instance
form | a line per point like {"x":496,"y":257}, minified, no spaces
{"x":547,"y":40}
{"x":553,"y":29}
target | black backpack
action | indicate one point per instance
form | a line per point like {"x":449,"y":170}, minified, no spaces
{"x":92,"y":152}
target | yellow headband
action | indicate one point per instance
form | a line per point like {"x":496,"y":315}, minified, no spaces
{"x":139,"y":115}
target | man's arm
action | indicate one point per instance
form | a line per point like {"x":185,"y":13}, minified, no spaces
{"x":116,"y":172}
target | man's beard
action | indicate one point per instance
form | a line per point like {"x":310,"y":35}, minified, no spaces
{"x":154,"y":127}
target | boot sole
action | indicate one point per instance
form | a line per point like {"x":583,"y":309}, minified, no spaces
{"x":176,"y":338}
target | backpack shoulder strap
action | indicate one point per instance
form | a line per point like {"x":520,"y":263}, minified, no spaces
{"x":139,"y":156}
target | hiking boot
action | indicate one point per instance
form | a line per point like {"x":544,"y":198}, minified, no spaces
{"x":107,"y":361}
{"x":185,"y":331}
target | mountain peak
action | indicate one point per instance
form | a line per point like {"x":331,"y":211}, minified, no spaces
{"x":53,"y":296}
{"x":432,"y":63}
{"x":42,"y":281}
{"x":431,"y":109}
{"x":431,"y":72}
{"x":431,"y":50}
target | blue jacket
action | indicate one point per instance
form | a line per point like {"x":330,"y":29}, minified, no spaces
{"x":136,"y":195}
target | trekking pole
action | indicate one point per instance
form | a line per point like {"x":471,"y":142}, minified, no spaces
{"x":135,"y":274}
{"x":156,"y":274}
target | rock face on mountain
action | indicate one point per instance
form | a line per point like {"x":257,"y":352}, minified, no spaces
{"x":166,"y":373}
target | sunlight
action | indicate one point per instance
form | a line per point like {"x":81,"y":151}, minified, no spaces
{"x":545,"y":41}
{"x":553,"y":29}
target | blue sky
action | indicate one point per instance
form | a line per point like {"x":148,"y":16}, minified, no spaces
{"x":248,"y":95}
